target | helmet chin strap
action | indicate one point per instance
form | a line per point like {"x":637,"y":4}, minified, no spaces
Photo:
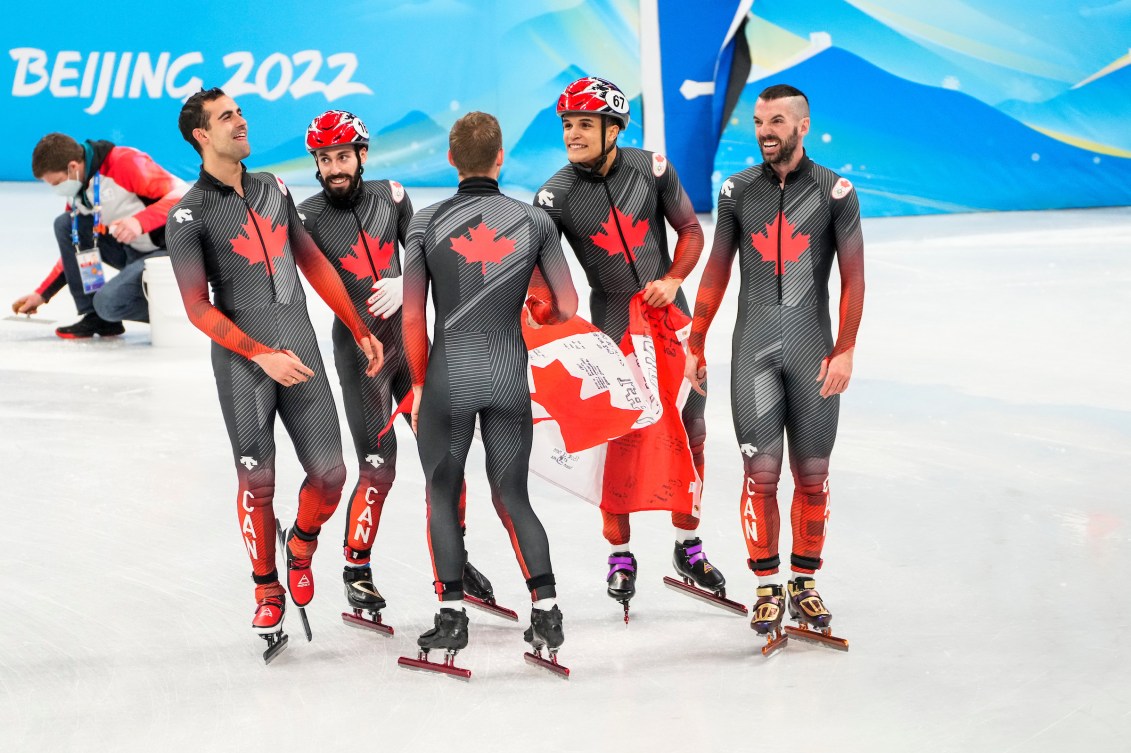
{"x":594,"y":168}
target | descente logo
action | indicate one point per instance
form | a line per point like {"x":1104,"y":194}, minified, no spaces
{"x":101,"y":76}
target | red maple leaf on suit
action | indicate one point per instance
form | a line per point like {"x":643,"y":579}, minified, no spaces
{"x":248,"y":245}
{"x":482,"y":246}
{"x":792,"y":243}
{"x":584,"y":422}
{"x":379,"y":251}
{"x":608,"y":238}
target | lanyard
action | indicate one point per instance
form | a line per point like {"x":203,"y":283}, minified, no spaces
{"x":97,"y":217}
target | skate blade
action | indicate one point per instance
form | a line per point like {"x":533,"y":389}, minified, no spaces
{"x":364,"y":623}
{"x":774,"y":643}
{"x":492,"y":607}
{"x":305,"y":624}
{"x":706,"y":596}
{"x":548,"y":664}
{"x":816,"y":636}
{"x":275,"y":649}
{"x":423,"y":665}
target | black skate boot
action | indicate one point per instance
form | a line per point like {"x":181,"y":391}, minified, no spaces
{"x":807,"y":609}
{"x":768,"y":612}
{"x":449,"y":634}
{"x":476,"y":584}
{"x":90,"y":325}
{"x":545,"y":631}
{"x":700,"y":579}
{"x":362,"y":595}
{"x":360,"y":591}
{"x":478,"y":593}
{"x":692,"y":565}
{"x":622,"y":579}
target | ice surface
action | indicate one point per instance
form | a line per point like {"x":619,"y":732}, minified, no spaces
{"x":977,"y":555}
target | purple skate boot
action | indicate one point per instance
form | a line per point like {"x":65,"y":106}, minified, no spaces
{"x":807,"y":609}
{"x":768,"y":612}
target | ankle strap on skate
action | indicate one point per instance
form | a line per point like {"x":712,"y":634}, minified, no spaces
{"x":694,"y":553}
{"x":448,"y":587}
{"x":266,"y":580}
{"x":356,"y":556}
{"x":628,"y":564}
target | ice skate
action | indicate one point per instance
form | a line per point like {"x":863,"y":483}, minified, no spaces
{"x":300,"y":578}
{"x":477,"y":592}
{"x":768,"y":612}
{"x":298,"y":572}
{"x":622,"y":579}
{"x":363,"y":596}
{"x":268,"y":623}
{"x":545,"y":632}
{"x":448,"y":634}
{"x":807,"y":609}
{"x":699,"y":578}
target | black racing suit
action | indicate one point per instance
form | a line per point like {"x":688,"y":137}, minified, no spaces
{"x":786,"y":237}
{"x":616,"y":226}
{"x":246,"y":248}
{"x":478,"y":250}
{"x":359,"y":236}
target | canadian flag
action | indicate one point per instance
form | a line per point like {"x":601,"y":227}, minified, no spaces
{"x":607,"y":424}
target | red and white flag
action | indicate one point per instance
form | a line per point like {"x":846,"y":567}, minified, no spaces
{"x":607,"y":423}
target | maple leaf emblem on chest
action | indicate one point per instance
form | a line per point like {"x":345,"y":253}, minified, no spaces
{"x":785,"y":237}
{"x":259,"y":242}
{"x":365,"y":249}
{"x":609,"y":238}
{"x":481,"y":245}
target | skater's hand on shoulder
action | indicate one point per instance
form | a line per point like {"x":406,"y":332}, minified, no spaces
{"x":374,"y":351}
{"x":125,"y":230}
{"x":27,"y":304}
{"x":388,"y":297}
{"x":417,"y":391}
{"x":835,"y":373}
{"x":695,"y":372}
{"x":284,"y":367}
{"x":660,"y":293}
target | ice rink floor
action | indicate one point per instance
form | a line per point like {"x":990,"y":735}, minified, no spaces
{"x":977,"y":556}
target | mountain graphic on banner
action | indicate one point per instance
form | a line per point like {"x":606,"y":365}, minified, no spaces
{"x":915,"y":149}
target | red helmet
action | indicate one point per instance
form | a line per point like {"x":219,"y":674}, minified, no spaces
{"x":336,"y":128}
{"x":596,"y":96}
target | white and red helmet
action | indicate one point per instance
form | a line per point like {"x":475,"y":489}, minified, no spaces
{"x":336,"y":128}
{"x":595,"y":96}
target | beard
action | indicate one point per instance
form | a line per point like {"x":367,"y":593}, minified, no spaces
{"x":786,"y":149}
{"x":343,"y":191}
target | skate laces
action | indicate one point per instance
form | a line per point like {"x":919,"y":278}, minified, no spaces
{"x":620,"y":563}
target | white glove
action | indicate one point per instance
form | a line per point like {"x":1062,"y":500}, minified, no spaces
{"x":390,"y":293}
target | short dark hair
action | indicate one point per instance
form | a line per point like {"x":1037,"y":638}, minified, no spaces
{"x":785,"y":91}
{"x":475,"y":141}
{"x":782,"y":91}
{"x":53,"y":153}
{"x":193,"y":115}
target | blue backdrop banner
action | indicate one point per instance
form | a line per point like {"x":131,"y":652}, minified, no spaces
{"x":941,"y":107}
{"x":408,"y":69}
